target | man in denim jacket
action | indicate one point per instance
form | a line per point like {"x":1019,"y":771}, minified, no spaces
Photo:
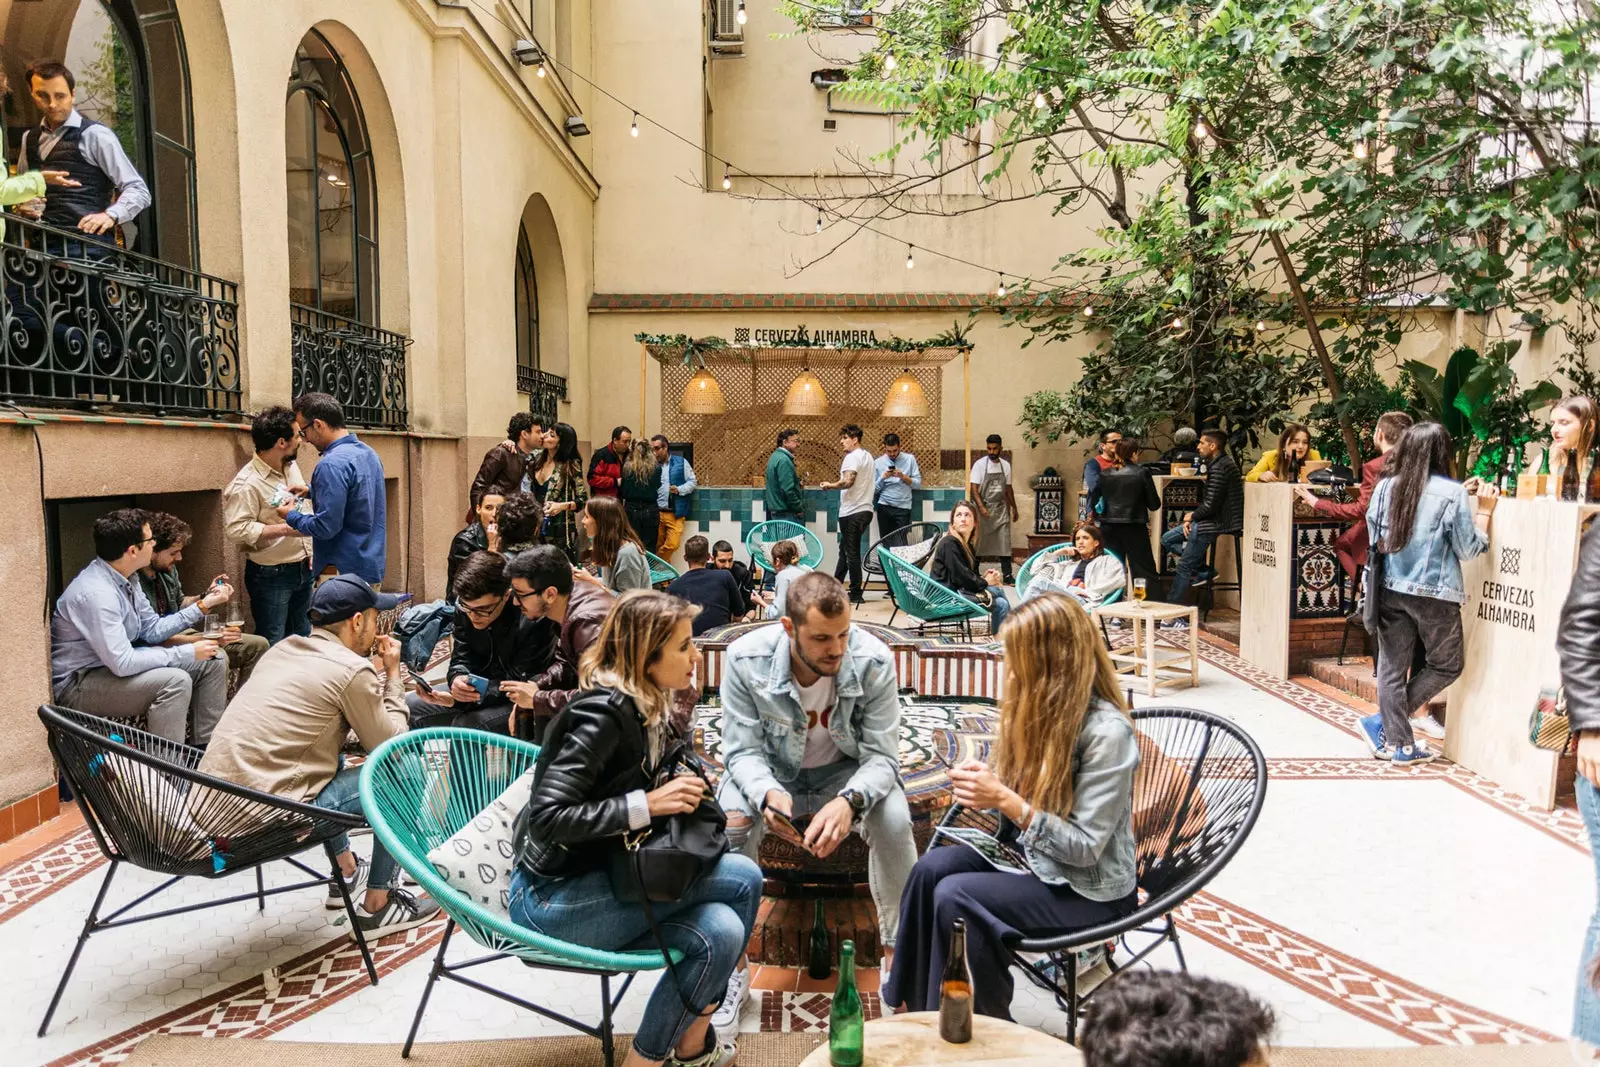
{"x":811,"y":725}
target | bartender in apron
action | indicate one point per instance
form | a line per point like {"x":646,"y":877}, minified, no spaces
{"x":997,"y":506}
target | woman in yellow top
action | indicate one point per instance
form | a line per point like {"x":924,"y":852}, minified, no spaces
{"x":1282,"y":464}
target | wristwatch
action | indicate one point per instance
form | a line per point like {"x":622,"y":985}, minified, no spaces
{"x":857,"y":802}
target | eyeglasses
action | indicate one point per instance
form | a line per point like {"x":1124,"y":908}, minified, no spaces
{"x":484,"y":612}
{"x":522,"y":597}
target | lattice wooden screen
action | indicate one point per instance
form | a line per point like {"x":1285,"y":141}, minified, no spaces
{"x":732,"y":448}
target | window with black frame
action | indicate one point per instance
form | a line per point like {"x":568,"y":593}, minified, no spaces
{"x":526,"y":298}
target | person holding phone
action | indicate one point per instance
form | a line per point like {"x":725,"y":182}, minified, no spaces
{"x":496,"y":649}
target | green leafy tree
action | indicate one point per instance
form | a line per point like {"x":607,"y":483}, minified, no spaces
{"x":1305,"y":163}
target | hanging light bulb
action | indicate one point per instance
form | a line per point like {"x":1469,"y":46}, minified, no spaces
{"x":1261,"y":326}
{"x":889,"y":63}
{"x":539,"y":70}
{"x":741,"y":18}
{"x":1202,"y":131}
{"x":633,"y":131}
{"x":1177,"y":323}
{"x":910,"y":257}
{"x":1040,"y":100}
{"x":1000,"y":290}
{"x":727,"y":179}
{"x":1360,"y":150}
{"x":819,"y":220}
{"x":1088,"y":311}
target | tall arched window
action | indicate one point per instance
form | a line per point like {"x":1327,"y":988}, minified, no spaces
{"x":333,"y":201}
{"x":526,"y":295}
{"x":132,"y":75}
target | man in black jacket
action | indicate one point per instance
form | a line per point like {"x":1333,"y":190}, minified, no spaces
{"x":1221,"y":511}
{"x":498,"y":650}
{"x":1578,"y":644}
{"x":746,"y":575}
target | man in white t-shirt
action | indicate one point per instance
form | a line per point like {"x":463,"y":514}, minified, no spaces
{"x":856,"y":477}
{"x":990,"y":489}
{"x":811,"y":726}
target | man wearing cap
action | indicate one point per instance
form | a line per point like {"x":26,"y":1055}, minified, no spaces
{"x":282,"y":732}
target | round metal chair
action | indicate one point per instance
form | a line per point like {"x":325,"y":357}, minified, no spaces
{"x":913,"y":544}
{"x":763,"y":535}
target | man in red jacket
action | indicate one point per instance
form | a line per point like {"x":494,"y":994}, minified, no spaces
{"x":1351,"y":547}
{"x":605,"y":466}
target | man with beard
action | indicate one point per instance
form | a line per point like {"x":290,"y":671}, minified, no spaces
{"x":163,"y":588}
{"x":745,"y":575}
{"x":277,"y":561}
{"x":811,"y":726}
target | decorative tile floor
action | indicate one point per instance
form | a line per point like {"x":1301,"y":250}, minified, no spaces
{"x":1371,"y":906}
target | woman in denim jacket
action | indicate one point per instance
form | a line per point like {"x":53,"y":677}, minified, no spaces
{"x":1064,"y":761}
{"x":1424,"y":522}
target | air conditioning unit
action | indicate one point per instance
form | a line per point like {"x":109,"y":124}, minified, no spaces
{"x":727,"y":35}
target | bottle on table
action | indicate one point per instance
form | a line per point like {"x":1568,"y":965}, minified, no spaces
{"x":955,"y":990}
{"x":1571,"y":482}
{"x":1591,"y":491}
{"x":821,"y":962}
{"x":846,"y":1033}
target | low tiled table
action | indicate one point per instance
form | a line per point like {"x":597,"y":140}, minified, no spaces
{"x":913,"y":1041}
{"x":1156,"y":664}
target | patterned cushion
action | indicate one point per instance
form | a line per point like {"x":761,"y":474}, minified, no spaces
{"x":913,"y":554}
{"x":478,"y":860}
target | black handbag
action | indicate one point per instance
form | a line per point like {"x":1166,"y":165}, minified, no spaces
{"x":1373,"y":601}
{"x":660,"y":864}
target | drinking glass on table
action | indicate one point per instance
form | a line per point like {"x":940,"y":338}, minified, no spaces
{"x":1140,"y":589}
{"x":212,"y":628}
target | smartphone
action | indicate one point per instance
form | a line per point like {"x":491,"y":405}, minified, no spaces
{"x":785,"y":829}
{"x":480,"y":683}
{"x":421,"y":682}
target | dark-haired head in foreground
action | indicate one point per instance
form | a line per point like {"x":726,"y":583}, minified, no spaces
{"x":1171,"y":1019}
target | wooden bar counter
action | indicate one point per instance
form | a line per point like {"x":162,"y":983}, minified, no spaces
{"x":1515,"y":591}
{"x":1295,"y":596}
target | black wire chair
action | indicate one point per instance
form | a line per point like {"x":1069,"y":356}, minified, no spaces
{"x":913,"y":543}
{"x":147,"y":805}
{"x":1196,"y":796}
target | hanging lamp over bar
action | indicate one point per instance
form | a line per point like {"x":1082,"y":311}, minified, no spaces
{"x":906,"y":400}
{"x":805,"y":396}
{"x":703,"y":395}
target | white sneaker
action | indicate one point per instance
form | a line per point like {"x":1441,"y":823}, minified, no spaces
{"x":1429,"y":726}
{"x":725,"y":1020}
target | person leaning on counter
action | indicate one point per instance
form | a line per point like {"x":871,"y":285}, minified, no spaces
{"x":1351,"y":547}
{"x":1282,"y":464}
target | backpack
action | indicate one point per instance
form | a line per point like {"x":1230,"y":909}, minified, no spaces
{"x":420,"y":629}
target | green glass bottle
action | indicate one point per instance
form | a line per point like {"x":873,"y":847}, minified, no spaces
{"x":846,"y":1033}
{"x":821,"y":961}
{"x":1544,"y":462}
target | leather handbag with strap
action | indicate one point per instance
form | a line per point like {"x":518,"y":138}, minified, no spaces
{"x":1549,"y":726}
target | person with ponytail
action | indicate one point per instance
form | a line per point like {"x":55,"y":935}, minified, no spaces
{"x":1061,"y":778}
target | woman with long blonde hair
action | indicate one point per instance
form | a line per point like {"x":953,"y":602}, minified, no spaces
{"x":1064,"y":759}
{"x":641,"y":484}
{"x":591,"y":787}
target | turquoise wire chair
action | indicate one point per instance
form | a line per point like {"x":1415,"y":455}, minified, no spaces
{"x":763,"y":535}
{"x":1025,"y":576}
{"x":417,"y":791}
{"x":934,"y":606}
{"x":661,"y":572}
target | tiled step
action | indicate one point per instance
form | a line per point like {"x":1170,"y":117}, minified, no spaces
{"x":1354,"y":676}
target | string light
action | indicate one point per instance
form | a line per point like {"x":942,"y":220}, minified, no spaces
{"x":911,"y":260}
{"x":819,"y":220}
{"x":540,"y":69}
{"x":889,"y":63}
{"x":1040,"y":100}
{"x":741,"y":17}
{"x":727,"y":179}
{"x":1088,"y":311}
{"x":1000,"y":290}
{"x":1177,"y":323}
{"x":1202,"y":131}
{"x":633,"y":131}
{"x":1360,"y":150}
{"x":1261,"y":325}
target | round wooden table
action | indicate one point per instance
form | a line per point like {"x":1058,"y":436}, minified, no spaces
{"x":913,"y":1040}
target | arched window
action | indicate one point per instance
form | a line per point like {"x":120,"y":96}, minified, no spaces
{"x":333,"y":201}
{"x":527,"y":302}
{"x":132,"y":75}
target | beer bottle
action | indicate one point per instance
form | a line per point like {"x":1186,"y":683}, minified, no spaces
{"x":1591,"y":492}
{"x":821,"y":961}
{"x":846,"y":1038}
{"x":1571,"y":488}
{"x":955,"y":990}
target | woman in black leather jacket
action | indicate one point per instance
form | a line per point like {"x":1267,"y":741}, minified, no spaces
{"x":1578,"y":643}
{"x":591,"y":787}
{"x":1128,"y":496}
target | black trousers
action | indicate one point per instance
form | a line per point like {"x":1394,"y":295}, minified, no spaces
{"x":646,"y":522}
{"x":851,"y":530}
{"x":890,"y":519}
{"x":493,"y":717}
{"x":953,"y":883}
{"x":1132,"y":542}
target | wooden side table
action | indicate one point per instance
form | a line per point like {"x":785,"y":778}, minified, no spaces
{"x":1157,"y":664}
{"x":913,"y":1041}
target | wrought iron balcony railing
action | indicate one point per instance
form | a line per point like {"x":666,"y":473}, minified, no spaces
{"x":87,"y":324}
{"x":362,"y":367}
{"x":544,"y":391}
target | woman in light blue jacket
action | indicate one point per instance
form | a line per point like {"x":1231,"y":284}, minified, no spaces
{"x":1064,"y":762}
{"x":1424,"y":522}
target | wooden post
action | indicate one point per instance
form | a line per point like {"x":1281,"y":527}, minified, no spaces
{"x":966,"y":412}
{"x":644,"y":367}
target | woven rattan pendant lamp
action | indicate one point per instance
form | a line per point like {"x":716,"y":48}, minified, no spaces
{"x":805,"y":395}
{"x":703,"y":395}
{"x":906,"y":400}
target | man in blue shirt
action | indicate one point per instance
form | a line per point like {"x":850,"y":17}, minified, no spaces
{"x":347,"y":530}
{"x":107,"y":655}
{"x":672,"y":498}
{"x":898,"y":474}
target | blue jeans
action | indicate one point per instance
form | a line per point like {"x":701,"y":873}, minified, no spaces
{"x":711,"y":926}
{"x":999,"y":608}
{"x":1586,"y":1009}
{"x":1191,"y":552}
{"x":344,"y":794}
{"x":279,"y":597}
